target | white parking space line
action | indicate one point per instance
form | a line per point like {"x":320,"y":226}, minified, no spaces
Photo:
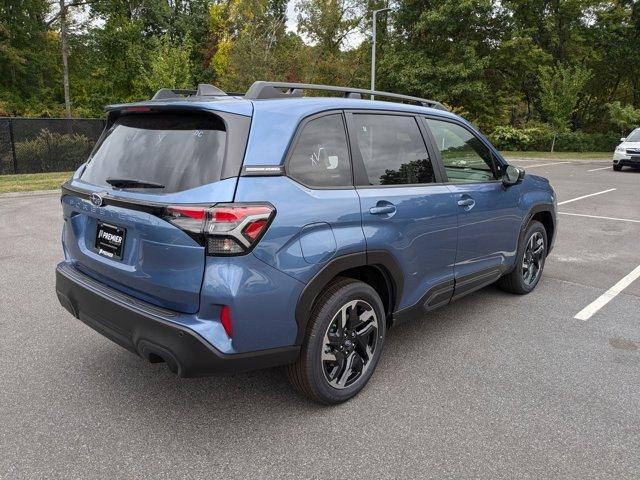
{"x":586,"y":196}
{"x":521,"y":159}
{"x":599,"y":217}
{"x":608,"y":167}
{"x":546,"y":164}
{"x":587,"y":312}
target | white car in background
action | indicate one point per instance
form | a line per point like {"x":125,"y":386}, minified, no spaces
{"x":627,"y":154}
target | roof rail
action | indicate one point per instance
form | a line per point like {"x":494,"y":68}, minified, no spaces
{"x":262,"y":90}
{"x":204,"y":90}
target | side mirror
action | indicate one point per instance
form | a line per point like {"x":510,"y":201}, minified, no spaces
{"x":623,"y":139}
{"x":512,"y":175}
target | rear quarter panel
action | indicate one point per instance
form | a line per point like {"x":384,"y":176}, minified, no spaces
{"x":311,"y":226}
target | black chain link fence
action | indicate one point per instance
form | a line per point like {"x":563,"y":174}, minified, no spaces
{"x":37,"y":145}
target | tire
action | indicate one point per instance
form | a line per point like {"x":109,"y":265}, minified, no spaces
{"x":322,"y":371}
{"x":617,"y":168}
{"x":521,"y":280}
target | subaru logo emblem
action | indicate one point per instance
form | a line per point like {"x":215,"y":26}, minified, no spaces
{"x":96,"y":199}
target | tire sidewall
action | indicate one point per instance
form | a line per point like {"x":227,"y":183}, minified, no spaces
{"x":323,"y":317}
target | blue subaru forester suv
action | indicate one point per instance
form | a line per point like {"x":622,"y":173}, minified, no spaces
{"x":222,"y":233}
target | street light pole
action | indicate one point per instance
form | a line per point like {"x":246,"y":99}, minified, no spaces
{"x":373,"y":47}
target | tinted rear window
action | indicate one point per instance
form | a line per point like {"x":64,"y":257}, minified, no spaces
{"x":179,"y":151}
{"x":393,"y":150}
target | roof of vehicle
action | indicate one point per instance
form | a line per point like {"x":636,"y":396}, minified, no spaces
{"x":294,"y":105}
{"x":275,"y":119}
{"x":265,"y":94}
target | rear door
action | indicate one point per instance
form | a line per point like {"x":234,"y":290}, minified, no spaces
{"x":488,"y":216}
{"x":117,"y":228}
{"x":406,"y":210}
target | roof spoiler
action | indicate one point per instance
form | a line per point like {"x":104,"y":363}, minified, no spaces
{"x":204,"y":90}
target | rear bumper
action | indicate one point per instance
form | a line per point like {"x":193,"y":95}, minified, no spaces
{"x":148,"y":331}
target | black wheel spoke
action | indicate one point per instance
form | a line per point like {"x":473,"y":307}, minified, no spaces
{"x":333,"y":364}
{"x":352,"y":318}
{"x":334,"y":339}
{"x":533,"y":258}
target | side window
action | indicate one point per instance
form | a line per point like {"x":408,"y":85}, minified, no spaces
{"x":320,"y":157}
{"x":393,"y":150}
{"x":465,"y":157}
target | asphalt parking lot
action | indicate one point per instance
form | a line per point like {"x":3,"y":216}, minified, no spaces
{"x":493,"y":386}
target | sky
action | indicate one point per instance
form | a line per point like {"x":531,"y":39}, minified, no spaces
{"x":292,"y":16}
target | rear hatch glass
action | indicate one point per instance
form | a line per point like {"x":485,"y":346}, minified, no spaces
{"x":166,"y":152}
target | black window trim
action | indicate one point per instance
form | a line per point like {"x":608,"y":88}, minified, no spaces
{"x":360,"y":176}
{"x":497,"y":160}
{"x":294,"y":143}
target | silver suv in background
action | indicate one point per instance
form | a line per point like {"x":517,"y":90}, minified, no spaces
{"x":627,"y":154}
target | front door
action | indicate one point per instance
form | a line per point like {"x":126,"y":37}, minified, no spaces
{"x":488,"y":217}
{"x":406,"y":211}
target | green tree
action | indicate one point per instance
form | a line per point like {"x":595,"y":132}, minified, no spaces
{"x":169,"y":67}
{"x":252,"y":44}
{"x":481,"y":57}
{"x":328,"y":23}
{"x":560,"y":88}
{"x":445,"y":50}
{"x":624,"y":117}
{"x":29,"y":68}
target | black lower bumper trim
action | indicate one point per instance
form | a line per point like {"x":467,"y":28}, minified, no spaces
{"x":628,"y":163}
{"x":147,"y":331}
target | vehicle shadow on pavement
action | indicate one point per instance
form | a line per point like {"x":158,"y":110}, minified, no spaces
{"x":145,"y":388}
{"x":451,"y":353}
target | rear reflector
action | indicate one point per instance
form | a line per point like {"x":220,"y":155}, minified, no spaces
{"x":225,"y":319}
{"x":225,"y":229}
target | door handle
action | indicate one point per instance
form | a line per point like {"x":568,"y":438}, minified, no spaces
{"x":466,"y":202}
{"x":383,"y":209}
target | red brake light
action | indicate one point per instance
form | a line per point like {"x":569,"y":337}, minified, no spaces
{"x":253,"y":230}
{"x":225,"y":319}
{"x":191,"y":212}
{"x":224,"y":215}
{"x":137,"y":109}
{"x":235,"y":214}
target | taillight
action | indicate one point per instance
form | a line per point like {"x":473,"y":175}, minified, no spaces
{"x":189,"y":219}
{"x":224,"y":229}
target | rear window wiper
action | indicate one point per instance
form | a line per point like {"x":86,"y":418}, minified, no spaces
{"x":132,"y":183}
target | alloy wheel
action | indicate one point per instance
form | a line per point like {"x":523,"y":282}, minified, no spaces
{"x":533,"y":258}
{"x":349,"y":344}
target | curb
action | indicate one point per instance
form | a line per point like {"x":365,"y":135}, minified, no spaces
{"x":559,"y":160}
{"x":33,"y":193}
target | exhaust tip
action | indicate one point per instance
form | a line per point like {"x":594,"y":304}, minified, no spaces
{"x":157,"y":354}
